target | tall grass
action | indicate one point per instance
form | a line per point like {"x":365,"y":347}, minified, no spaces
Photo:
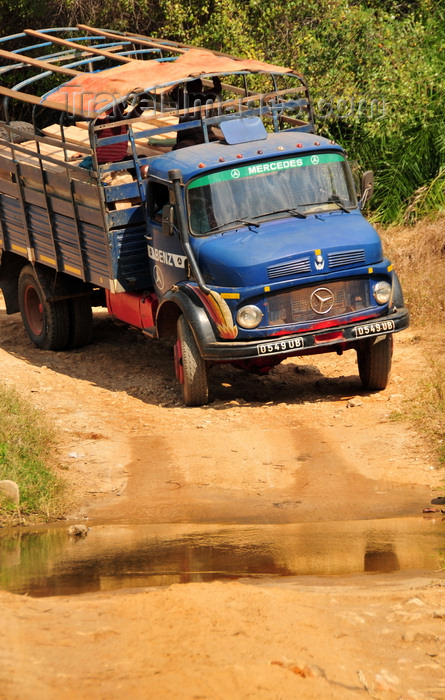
{"x":27,"y":457}
{"x":428,"y":405}
{"x":418,"y":253}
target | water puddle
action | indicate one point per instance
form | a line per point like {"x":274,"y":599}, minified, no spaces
{"x":50,"y":562}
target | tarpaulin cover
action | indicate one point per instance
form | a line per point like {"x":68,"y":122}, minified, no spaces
{"x":89,"y":92}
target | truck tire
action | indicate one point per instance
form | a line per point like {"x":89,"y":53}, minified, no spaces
{"x":80,"y":321}
{"x":46,"y":323}
{"x":191,"y":369}
{"x":374,"y":359}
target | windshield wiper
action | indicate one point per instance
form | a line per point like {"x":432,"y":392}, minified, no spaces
{"x":331,"y":200}
{"x":291,"y":211}
{"x":246,"y":222}
{"x":339,"y":205}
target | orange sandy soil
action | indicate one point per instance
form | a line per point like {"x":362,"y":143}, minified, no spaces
{"x":292,"y":447}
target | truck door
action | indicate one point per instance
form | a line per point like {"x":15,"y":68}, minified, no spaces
{"x":165,"y":252}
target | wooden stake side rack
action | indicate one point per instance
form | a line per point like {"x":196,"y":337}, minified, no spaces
{"x":90,"y":223}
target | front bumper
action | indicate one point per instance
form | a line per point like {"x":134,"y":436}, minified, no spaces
{"x":307,"y":343}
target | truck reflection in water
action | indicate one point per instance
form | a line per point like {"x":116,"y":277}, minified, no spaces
{"x":49,"y":562}
{"x":381,"y":560}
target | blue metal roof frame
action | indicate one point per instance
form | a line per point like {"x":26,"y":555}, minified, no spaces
{"x":71,"y":59}
{"x":92,"y":39}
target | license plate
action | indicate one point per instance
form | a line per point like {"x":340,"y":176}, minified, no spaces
{"x":373,"y":328}
{"x":278,"y":346}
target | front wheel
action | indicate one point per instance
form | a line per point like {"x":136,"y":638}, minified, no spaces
{"x":374,"y":357}
{"x":191,"y":369}
{"x":46,"y":323}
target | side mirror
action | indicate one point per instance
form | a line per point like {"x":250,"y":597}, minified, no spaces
{"x":168,"y":214}
{"x":367,"y":187}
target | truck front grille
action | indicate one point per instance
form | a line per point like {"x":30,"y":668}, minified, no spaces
{"x":318,"y":302}
{"x":301,"y":265}
{"x":293,"y":267}
{"x":346,"y":257}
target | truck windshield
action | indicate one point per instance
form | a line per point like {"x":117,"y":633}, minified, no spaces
{"x":274,"y":188}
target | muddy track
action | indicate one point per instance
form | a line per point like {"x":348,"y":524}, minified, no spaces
{"x":304,"y":443}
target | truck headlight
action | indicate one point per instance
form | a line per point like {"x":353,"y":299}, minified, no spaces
{"x":249,"y":316}
{"x":382,"y":292}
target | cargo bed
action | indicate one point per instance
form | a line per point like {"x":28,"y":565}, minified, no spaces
{"x":54,"y":212}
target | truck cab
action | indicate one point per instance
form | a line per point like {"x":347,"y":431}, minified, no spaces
{"x":287,"y":264}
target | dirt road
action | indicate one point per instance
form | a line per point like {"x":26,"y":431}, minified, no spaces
{"x":304,"y":444}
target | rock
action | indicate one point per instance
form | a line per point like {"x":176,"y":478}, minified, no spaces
{"x":386,"y":681}
{"x":353,"y":403}
{"x":78,"y":530}
{"x":439,"y":613}
{"x":410,"y":636}
{"x":415,"y":601}
{"x":10,"y":490}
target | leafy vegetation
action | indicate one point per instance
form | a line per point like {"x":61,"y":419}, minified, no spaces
{"x":375,"y":68}
{"x":26,"y":448}
{"x":376,"y":71}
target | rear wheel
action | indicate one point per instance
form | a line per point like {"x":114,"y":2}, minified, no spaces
{"x":191,"y":369}
{"x":46,"y":323}
{"x":81,"y":321}
{"x":374,"y":358}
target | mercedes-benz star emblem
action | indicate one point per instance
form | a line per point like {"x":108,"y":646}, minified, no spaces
{"x":159,"y":278}
{"x":322,"y":300}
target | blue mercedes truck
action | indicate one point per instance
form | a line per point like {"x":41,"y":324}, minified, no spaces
{"x":230,"y":225}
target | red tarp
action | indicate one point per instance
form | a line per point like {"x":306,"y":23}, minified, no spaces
{"x":90,"y":92}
